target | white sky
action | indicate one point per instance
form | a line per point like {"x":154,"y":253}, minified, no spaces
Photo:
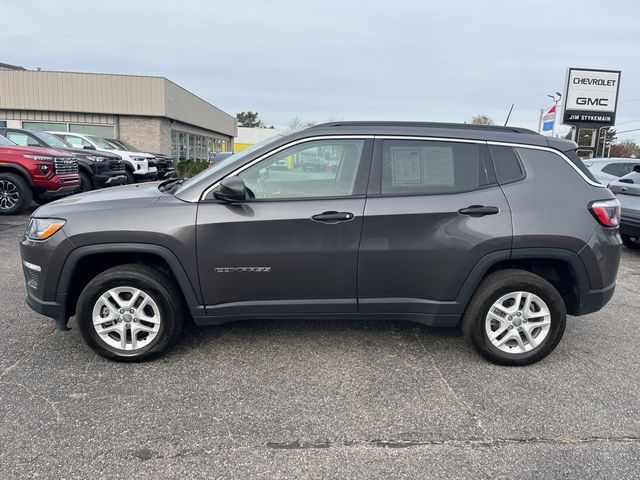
{"x":396,"y":60}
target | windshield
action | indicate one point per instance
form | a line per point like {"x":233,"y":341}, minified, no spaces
{"x":100,"y":142}
{"x":202,"y":176}
{"x":5,"y":142}
{"x":124,"y":145}
{"x":53,"y":141}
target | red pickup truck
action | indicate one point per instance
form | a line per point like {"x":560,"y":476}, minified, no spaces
{"x":30,"y":173}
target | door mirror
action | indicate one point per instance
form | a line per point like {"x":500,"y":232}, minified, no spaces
{"x":232,"y":190}
{"x":89,"y":147}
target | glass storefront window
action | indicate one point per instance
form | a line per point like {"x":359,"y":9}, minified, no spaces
{"x":586,"y":137}
{"x":189,"y":146}
{"x":105,"y":131}
{"x":44,"y":126}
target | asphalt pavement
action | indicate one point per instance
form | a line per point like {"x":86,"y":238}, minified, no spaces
{"x":322,"y":399}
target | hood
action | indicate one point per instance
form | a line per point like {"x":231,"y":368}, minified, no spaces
{"x":17,"y":150}
{"x":83,"y":152}
{"x":129,"y":154}
{"x":122,"y":198}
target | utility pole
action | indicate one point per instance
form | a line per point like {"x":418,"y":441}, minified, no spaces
{"x":540,"y":120}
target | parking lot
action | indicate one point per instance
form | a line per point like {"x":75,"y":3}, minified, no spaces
{"x":287,"y":399}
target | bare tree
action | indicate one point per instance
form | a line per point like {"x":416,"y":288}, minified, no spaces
{"x":482,"y":120}
{"x":296,"y":122}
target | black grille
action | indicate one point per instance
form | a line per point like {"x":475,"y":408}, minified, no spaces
{"x":66,"y":165}
{"x":116,"y":165}
{"x":152,"y":162}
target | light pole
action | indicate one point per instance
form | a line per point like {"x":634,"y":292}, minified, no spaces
{"x":556,"y":98}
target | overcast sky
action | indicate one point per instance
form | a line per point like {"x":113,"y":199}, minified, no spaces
{"x":399,"y":60}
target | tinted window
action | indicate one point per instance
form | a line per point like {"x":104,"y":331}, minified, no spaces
{"x":506,"y":163}
{"x":577,"y":161}
{"x":618,"y":169}
{"x":428,"y":167}
{"x":76,"y":142}
{"x":324,"y":168}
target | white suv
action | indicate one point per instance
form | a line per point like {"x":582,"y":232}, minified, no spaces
{"x":139,"y":166}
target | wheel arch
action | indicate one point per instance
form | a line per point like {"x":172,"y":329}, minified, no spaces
{"x":84,"y":263}
{"x":564,"y":269}
{"x":18,"y":170}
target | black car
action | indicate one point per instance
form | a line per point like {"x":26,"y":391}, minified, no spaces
{"x":627,"y":190}
{"x":164,"y":163}
{"x":96,"y":169}
{"x":498,"y":230}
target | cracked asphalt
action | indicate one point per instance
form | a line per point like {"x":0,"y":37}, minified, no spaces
{"x":324,"y":399}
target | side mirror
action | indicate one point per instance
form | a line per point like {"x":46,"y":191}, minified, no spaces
{"x":89,"y":147}
{"x":232,"y":190}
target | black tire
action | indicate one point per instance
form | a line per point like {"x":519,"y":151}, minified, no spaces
{"x":631,"y":242}
{"x":158,"y":286}
{"x":18,"y":194}
{"x":492,"y":288}
{"x":131,"y":178}
{"x":86,"y":185}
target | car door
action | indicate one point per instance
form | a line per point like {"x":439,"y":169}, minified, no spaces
{"x":293,"y":247}
{"x":434,"y":211}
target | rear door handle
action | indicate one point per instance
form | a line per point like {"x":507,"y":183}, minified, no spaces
{"x":333,"y":217}
{"x":479,"y":210}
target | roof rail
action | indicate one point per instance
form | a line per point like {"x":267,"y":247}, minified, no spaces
{"x":468,"y":126}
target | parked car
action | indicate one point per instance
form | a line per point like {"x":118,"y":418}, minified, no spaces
{"x":139,"y":167}
{"x":164,"y":163}
{"x":627,"y":190}
{"x":497,"y":229}
{"x":33,"y":173}
{"x":314,"y":164}
{"x":96,"y":170}
{"x":607,"y":170}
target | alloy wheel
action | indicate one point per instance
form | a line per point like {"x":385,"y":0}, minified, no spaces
{"x":126,"y":318}
{"x":518,"y":322}
{"x":9,"y":195}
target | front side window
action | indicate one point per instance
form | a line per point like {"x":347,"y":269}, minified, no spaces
{"x":321,"y":168}
{"x":76,"y":142}
{"x":423,"y":167}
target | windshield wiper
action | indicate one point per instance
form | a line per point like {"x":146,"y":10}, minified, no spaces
{"x":172,"y":183}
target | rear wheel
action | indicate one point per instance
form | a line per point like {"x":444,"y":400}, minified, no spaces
{"x":515,"y":318}
{"x":15,"y":194}
{"x":631,"y":242}
{"x":86,"y":185}
{"x":130,"y":313}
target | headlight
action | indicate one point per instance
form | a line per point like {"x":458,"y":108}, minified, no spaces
{"x":94,"y":158}
{"x":138,"y":159}
{"x":43,"y":228}
{"x":40,"y":158}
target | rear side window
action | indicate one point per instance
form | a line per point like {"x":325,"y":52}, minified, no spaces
{"x":618,"y":169}
{"x":424,"y":167}
{"x":506,"y":163}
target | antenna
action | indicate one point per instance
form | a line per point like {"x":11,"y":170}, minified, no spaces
{"x":509,"y":115}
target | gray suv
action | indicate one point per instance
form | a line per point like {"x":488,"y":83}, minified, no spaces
{"x":498,"y":230}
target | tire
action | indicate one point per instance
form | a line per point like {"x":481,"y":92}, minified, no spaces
{"x":86,"y":185}
{"x":631,"y":242}
{"x":15,"y":194}
{"x":501,"y":288}
{"x":131,"y":178}
{"x":164,"y":306}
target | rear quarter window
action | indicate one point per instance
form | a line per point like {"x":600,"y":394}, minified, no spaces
{"x":575,"y":159}
{"x":508,"y":167}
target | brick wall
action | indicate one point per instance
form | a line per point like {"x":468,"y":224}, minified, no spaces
{"x":143,"y":133}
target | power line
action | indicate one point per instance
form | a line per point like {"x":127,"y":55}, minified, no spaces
{"x":627,"y":131}
{"x":629,"y":101}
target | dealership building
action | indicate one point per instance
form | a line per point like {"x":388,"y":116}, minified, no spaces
{"x":152,"y":113}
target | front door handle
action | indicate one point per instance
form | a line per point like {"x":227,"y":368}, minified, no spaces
{"x":333,"y":217}
{"x":478,"y":210}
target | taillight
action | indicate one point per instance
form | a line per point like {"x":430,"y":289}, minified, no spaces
{"x":607,"y":212}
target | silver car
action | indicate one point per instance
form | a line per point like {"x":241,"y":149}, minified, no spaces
{"x":608,"y":170}
{"x":627,"y":190}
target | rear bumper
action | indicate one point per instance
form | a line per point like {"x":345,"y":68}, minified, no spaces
{"x":593,"y":300}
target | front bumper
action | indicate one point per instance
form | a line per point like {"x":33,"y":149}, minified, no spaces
{"x":61,"y":192}
{"x":109,"y":180}
{"x":150,"y":174}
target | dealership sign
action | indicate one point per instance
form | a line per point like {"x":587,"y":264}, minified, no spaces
{"x":591,"y":96}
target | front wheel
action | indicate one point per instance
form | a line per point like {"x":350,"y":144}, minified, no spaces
{"x":515,"y":318}
{"x":130,"y":313}
{"x":631,"y":242}
{"x":15,"y":194}
{"x":86,"y":185}
{"x":131,"y":178}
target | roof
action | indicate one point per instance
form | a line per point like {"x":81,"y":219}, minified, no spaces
{"x":7,"y":66}
{"x":110,"y":94}
{"x":469,"y":126}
